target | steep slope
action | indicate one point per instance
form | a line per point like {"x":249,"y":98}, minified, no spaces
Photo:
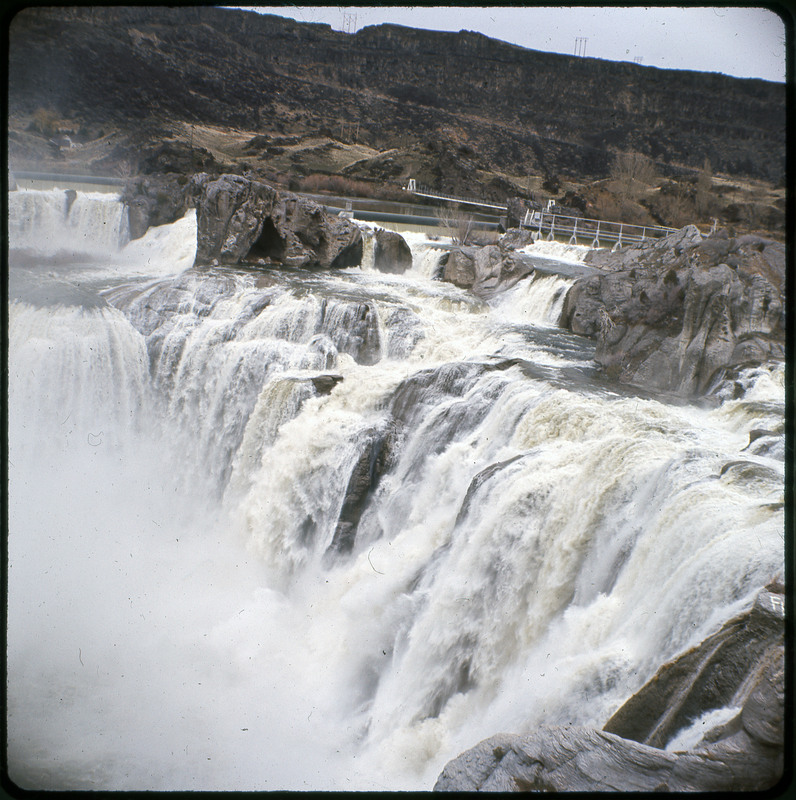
{"x":475,"y":99}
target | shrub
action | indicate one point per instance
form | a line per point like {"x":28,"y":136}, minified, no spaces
{"x":633,"y":173}
{"x":46,"y":121}
{"x":458,"y":223}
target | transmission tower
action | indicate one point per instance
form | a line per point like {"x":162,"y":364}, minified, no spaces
{"x":349,"y":23}
{"x":638,"y":59}
{"x":580,"y":45}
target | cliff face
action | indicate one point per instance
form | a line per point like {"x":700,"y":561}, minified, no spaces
{"x":493,"y":103}
{"x":679,"y":313}
{"x":740,"y":669}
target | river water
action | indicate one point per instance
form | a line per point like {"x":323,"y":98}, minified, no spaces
{"x":227,"y":571}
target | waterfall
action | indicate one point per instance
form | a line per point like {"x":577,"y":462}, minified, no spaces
{"x":53,"y":222}
{"x":284,"y":530}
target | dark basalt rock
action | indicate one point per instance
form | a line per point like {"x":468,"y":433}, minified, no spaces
{"x":391,"y":252}
{"x":324,"y":384}
{"x":374,"y":460}
{"x":247,"y":221}
{"x":516,"y":239}
{"x":670,"y":315}
{"x":743,"y":664}
{"x":713,"y":675}
{"x":222,"y":67}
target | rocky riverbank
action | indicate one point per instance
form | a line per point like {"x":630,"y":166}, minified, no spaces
{"x":681,"y":313}
{"x":735,"y":675}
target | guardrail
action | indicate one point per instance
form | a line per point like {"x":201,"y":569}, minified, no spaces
{"x":99,"y":180}
{"x":594,"y":232}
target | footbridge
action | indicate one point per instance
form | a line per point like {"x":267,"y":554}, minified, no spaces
{"x":424,"y":191}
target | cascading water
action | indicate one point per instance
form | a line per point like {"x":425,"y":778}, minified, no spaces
{"x":288,"y":531}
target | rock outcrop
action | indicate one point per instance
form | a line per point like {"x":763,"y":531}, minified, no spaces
{"x":516,"y":239}
{"x":740,"y":666}
{"x":241,"y":220}
{"x":485,"y":271}
{"x":678,"y":313}
{"x":723,"y":671}
{"x":391,"y":253}
{"x":128,"y":65}
{"x":154,"y":200}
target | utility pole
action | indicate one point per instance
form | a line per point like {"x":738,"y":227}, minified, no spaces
{"x":580,"y":45}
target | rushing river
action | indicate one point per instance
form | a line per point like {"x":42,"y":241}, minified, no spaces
{"x":327,"y":530}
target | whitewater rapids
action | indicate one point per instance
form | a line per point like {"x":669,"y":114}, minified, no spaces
{"x":188,"y":612}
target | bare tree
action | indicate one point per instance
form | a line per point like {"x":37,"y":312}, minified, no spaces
{"x":460,"y":225}
{"x":634,"y":173}
{"x":704,"y":184}
{"x":125,"y":168}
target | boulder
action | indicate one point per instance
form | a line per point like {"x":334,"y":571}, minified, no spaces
{"x":323,"y":384}
{"x":240,"y":220}
{"x":739,"y":666}
{"x":516,"y":239}
{"x":391,"y":252}
{"x":516,"y":208}
{"x":485,"y":271}
{"x":673,"y":315}
{"x":153,"y":200}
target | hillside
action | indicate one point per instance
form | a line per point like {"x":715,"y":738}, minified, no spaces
{"x":458,"y":111}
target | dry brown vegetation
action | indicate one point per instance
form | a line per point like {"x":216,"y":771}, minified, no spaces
{"x":458,"y":223}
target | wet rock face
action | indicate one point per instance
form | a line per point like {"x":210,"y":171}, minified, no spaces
{"x":241,"y":220}
{"x":153,"y":200}
{"x":741,"y":665}
{"x":391,"y":253}
{"x":675,"y":314}
{"x":485,"y":271}
{"x":722,"y":671}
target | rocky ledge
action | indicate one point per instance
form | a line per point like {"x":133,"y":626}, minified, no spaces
{"x":679,"y":313}
{"x":485,"y":271}
{"x":739,"y":671}
{"x":247,"y":221}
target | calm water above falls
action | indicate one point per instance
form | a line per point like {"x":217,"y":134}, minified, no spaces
{"x":201,"y":596}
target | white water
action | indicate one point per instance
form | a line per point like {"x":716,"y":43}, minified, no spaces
{"x":175,"y":619}
{"x":558,"y":251}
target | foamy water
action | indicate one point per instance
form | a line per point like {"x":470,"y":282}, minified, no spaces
{"x":185,"y":611}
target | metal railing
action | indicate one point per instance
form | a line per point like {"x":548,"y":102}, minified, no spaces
{"x":426,"y":191}
{"x":593,"y":232}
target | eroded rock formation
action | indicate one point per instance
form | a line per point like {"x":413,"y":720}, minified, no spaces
{"x":484,"y":270}
{"x":742,"y":665}
{"x":676,"y":314}
{"x":242,"y":220}
{"x":154,"y":200}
